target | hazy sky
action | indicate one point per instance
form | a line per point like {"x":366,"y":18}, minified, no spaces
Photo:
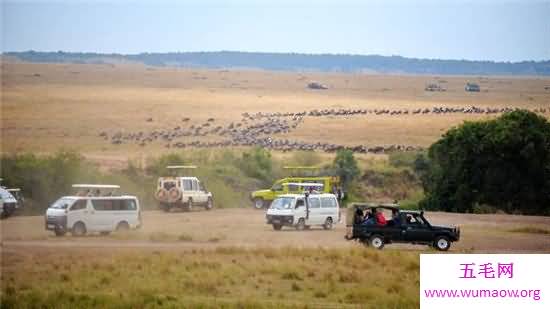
{"x":476,"y":30}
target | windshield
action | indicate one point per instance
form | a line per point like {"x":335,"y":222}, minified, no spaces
{"x":5,"y":195}
{"x":282,"y":203}
{"x":62,"y":203}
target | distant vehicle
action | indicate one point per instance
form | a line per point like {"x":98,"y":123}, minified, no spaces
{"x":316,"y":86}
{"x":182,"y":191}
{"x":405,"y":226}
{"x":304,"y":209}
{"x":94,"y":208}
{"x":263,"y":198}
{"x":8,"y":203}
{"x":472,"y":87}
{"x":434,"y":87}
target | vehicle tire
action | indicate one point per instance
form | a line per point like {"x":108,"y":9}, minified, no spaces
{"x":59,"y":232}
{"x":442,"y":243}
{"x":277,"y":227}
{"x":259,"y":203}
{"x":122,"y":226}
{"x":328,"y":224}
{"x":209,"y":204}
{"x":79,"y":229}
{"x":376,"y":241}
{"x":301,"y":225}
{"x":189,"y":205}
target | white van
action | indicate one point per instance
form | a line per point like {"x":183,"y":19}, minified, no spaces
{"x":304,"y":210}
{"x":93,"y":211}
{"x":8,"y":203}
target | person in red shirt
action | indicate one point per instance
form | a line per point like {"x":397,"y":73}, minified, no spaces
{"x":380,"y":220}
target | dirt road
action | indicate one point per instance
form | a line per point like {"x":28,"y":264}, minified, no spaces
{"x":247,"y":228}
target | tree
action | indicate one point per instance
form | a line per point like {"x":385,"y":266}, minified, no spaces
{"x":504,"y":163}
{"x":346,"y":166}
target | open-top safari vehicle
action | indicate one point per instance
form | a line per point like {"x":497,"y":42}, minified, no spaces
{"x":405,"y":226}
{"x":307,"y":174}
{"x":182,"y":191}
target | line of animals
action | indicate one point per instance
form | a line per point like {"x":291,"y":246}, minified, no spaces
{"x":388,"y":111}
{"x":259,"y":129}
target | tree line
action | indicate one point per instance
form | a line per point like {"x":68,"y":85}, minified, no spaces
{"x":297,"y":62}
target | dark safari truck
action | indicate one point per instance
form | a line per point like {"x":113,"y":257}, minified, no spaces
{"x":405,"y":226}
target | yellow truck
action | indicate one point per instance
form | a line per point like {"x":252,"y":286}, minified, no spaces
{"x":263,"y":198}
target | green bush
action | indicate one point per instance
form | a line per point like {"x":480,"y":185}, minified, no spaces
{"x":503,"y":162}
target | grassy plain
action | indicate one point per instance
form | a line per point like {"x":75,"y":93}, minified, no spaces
{"x":46,"y":106}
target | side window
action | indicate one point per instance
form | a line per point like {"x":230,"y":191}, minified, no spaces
{"x":277,"y":187}
{"x":195,"y":185}
{"x":292,"y":188}
{"x":187,"y":185}
{"x":80,"y":204}
{"x":130,"y":205}
{"x":98,"y":204}
{"x":314,"y":202}
{"x":299,"y":203}
{"x":103,"y":205}
{"x":328,"y":202}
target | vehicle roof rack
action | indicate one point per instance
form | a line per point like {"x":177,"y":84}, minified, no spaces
{"x":95,"y":186}
{"x":303,"y":184}
{"x":177,"y":167}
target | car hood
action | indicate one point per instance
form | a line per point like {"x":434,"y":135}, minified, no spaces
{"x":279,"y":212}
{"x":260,"y":192}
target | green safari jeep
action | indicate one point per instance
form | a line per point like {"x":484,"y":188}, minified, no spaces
{"x":263,"y":198}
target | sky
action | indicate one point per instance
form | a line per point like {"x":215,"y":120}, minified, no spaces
{"x":473,"y":30}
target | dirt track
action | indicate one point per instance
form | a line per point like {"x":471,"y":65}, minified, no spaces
{"x":247,"y":228}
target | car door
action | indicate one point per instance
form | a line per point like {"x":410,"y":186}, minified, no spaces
{"x":201,"y":193}
{"x":299,"y":209}
{"x":417,"y":230}
{"x":101,"y":214}
{"x":78,"y":211}
{"x":315,"y":216}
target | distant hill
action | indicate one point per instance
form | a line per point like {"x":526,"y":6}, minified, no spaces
{"x":299,"y":62}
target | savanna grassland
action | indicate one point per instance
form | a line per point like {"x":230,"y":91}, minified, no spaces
{"x":227,"y":257}
{"x":220,"y":278}
{"x":46,"y":106}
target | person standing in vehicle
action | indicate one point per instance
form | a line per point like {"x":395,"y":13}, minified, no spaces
{"x":380,"y":220}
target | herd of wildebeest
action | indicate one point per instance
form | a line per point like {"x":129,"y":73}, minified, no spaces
{"x":261,"y":128}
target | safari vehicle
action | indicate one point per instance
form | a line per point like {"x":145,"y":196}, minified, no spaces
{"x":405,"y":226}
{"x":94,"y":208}
{"x":302,"y":210}
{"x":8,"y":203}
{"x":10,"y":200}
{"x":182,"y":191}
{"x":263,"y":198}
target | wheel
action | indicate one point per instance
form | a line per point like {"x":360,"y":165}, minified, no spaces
{"x":376,"y":241}
{"x":301,"y":225}
{"x":209,"y":204}
{"x":328,"y":224}
{"x":442,"y":243}
{"x":59,"y":232}
{"x":122,"y":226}
{"x":259,"y":203}
{"x":277,"y":227}
{"x":79,"y":229}
{"x":189,"y":205}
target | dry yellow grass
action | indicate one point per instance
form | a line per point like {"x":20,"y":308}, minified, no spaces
{"x":47,"y":106}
